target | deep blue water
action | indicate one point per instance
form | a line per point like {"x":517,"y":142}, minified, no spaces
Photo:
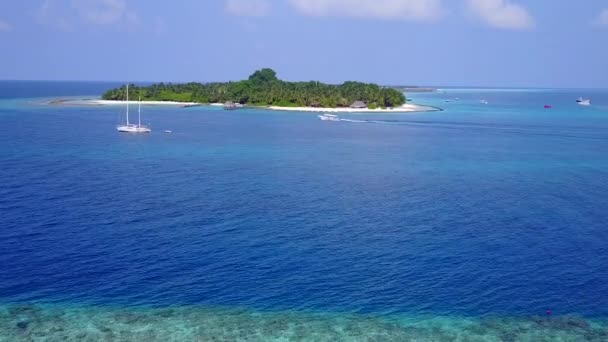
{"x":498,"y":209}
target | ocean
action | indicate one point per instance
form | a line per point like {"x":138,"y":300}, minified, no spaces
{"x":482,"y":222}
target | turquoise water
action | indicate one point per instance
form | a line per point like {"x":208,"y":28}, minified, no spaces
{"x":464,"y":224}
{"x":203,"y":324}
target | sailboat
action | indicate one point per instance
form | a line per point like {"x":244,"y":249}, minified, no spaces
{"x":133,"y":128}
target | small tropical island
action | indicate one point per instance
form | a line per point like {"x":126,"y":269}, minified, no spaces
{"x":264,"y":89}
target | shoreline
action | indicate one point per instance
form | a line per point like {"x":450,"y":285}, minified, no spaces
{"x":406,"y":108}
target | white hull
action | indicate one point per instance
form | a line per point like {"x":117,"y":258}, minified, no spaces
{"x":583,"y":102}
{"x":328,"y":117}
{"x":133,"y":129}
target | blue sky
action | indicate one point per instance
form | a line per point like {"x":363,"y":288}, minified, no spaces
{"x":539,"y":43}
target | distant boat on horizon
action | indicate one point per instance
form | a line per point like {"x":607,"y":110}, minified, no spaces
{"x":583,"y":102}
{"x":133,"y":128}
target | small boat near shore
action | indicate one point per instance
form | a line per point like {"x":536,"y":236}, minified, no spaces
{"x":484,"y":102}
{"x":328,"y":117}
{"x":232,"y":105}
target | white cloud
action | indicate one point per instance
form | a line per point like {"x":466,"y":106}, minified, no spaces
{"x":417,"y":10}
{"x":49,"y":14}
{"x":100,"y":12}
{"x":69,"y":14}
{"x":160,"y":27}
{"x":248,"y":8}
{"x":602,"y":19}
{"x":501,"y":14}
{"x":5,"y":26}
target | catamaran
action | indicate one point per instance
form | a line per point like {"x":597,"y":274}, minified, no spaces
{"x":133,"y":128}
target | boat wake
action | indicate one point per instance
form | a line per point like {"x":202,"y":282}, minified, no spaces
{"x":562,"y":132}
{"x":356,"y":121}
{"x":335,"y":118}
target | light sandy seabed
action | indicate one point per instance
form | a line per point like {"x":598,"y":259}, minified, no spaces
{"x":148,"y":103}
{"x":57,"y":323}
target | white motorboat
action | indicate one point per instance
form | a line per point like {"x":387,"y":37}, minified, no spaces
{"x":583,"y":102}
{"x":328,"y":117}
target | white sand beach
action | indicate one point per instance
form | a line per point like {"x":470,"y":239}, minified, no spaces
{"x":406,"y":108}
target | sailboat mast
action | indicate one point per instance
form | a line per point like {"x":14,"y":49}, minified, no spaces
{"x":139,"y":113}
{"x":127,"y":104}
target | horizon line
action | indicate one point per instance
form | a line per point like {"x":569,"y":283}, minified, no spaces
{"x":387,"y":85}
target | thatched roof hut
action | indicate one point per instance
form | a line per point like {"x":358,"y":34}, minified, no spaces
{"x":358,"y":105}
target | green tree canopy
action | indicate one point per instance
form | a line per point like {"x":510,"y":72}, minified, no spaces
{"x":263,"y":76}
{"x":264,"y":88}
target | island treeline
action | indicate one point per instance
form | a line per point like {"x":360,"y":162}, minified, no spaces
{"x":263,"y":88}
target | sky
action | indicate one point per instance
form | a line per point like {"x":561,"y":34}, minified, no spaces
{"x":510,"y":43}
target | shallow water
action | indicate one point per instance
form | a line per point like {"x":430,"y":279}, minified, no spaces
{"x":478,"y":211}
{"x":24,"y":323}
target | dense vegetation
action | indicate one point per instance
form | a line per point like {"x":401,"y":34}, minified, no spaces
{"x":264,"y":88}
